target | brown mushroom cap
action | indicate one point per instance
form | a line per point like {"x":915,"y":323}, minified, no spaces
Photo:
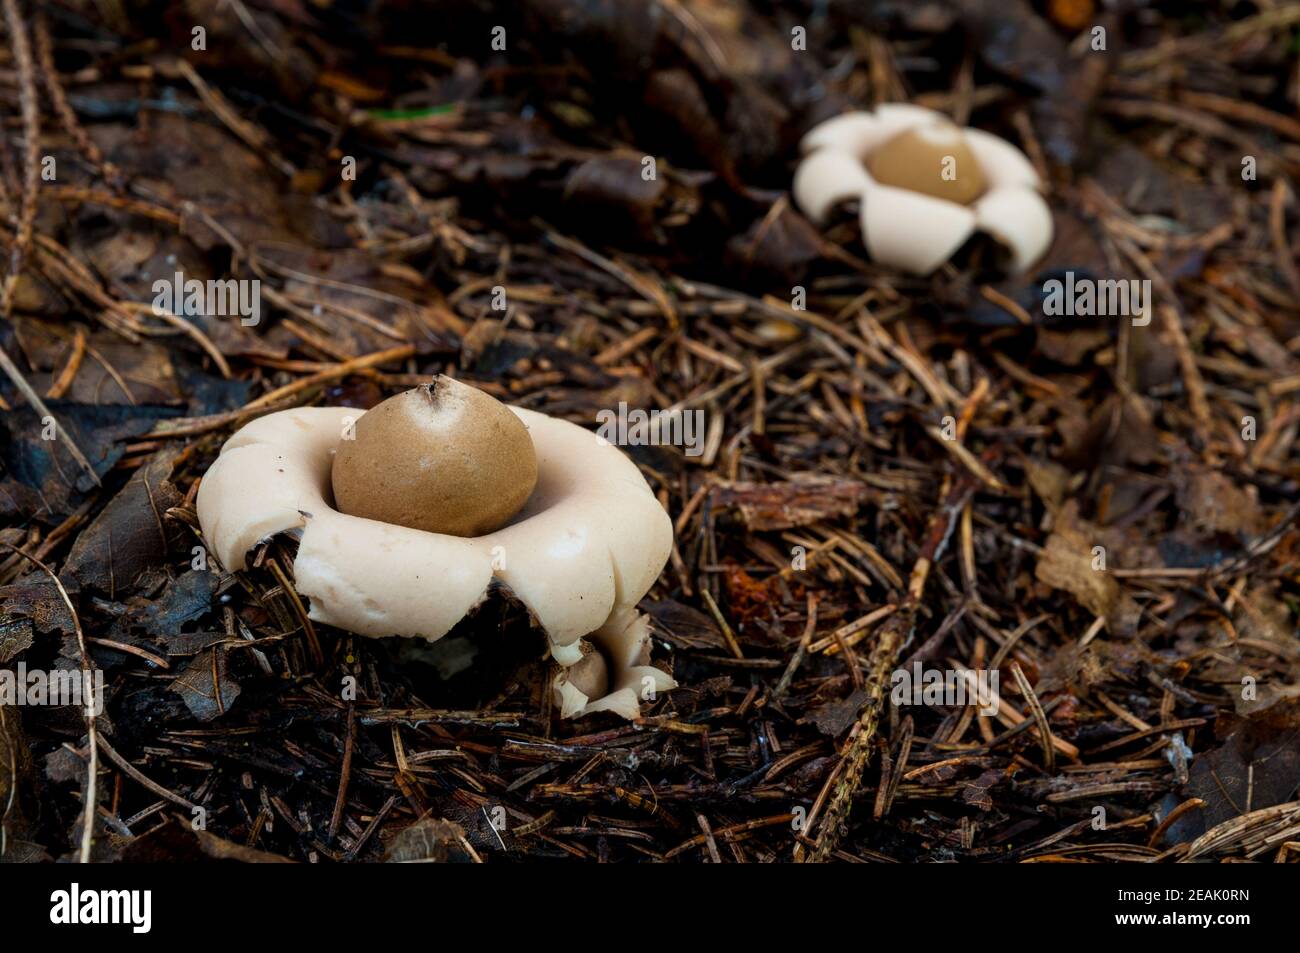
{"x":444,"y":457}
{"x":917,"y":160}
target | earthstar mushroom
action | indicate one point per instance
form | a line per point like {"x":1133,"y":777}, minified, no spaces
{"x":585,"y":546}
{"x":924,"y":186}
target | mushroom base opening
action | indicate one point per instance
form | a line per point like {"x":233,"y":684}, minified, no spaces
{"x":983,"y":258}
{"x":495,"y":651}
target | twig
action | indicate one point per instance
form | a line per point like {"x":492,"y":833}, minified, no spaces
{"x":31,"y":150}
{"x":894,"y":634}
{"x":345,"y":773}
{"x":91,"y":795}
{"x":1040,"y":717}
{"x":723,"y":626}
{"x":334,"y":373}
{"x":59,"y":100}
{"x":142,"y":779}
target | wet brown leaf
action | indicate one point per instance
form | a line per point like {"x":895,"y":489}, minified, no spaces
{"x":131,"y":534}
{"x":206,"y":685}
{"x":431,"y":840}
{"x":1067,"y":561}
{"x":615,"y":185}
{"x":1256,"y":766}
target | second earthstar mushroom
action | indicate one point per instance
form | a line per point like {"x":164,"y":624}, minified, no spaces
{"x":451,"y":493}
{"x":924,"y":186}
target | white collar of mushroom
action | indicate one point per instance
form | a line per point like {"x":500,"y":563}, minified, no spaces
{"x":925,"y":186}
{"x":406,"y":514}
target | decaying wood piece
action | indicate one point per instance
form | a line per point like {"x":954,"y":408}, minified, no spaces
{"x":800,"y":502}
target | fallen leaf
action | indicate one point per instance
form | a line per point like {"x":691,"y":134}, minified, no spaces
{"x":1212,"y":503}
{"x":1049,"y":480}
{"x":684,"y":626}
{"x":613,"y":186}
{"x":131,"y":534}
{"x":186,"y":599}
{"x":834,"y":718}
{"x":47,"y":468}
{"x":198,"y":685}
{"x":35,"y":597}
{"x":15,"y":771}
{"x":1066,"y":562}
{"x":977,"y":793}
{"x":1257,"y":766}
{"x":777,"y":250}
{"x":15,"y":638}
{"x":430,"y":840}
{"x":181,"y":843}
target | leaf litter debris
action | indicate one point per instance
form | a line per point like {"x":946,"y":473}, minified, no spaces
{"x":897,"y":470}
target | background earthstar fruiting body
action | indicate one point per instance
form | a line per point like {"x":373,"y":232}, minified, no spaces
{"x":910,"y":219}
{"x":443,"y":457}
{"x":933,"y":160}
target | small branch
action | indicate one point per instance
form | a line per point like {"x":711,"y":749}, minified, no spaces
{"x":894,"y":634}
{"x":90,"y":796}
